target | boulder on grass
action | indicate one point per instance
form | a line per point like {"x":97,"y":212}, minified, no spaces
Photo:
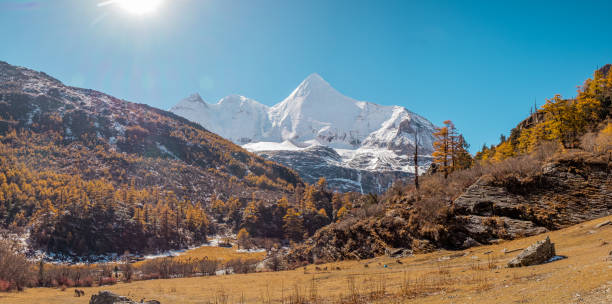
{"x":397,"y":252}
{"x":107,"y":297}
{"x":538,"y":253}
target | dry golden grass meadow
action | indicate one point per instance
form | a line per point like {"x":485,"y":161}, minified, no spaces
{"x":476,"y":275}
{"x":220,"y":253}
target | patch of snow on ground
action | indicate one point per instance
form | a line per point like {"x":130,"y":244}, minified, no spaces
{"x":169,"y":253}
{"x":212,"y":242}
{"x":165,"y":150}
{"x":57,"y":258}
{"x":119,"y":128}
{"x":253,"y":250}
{"x":272,"y":146}
{"x":31,"y":114}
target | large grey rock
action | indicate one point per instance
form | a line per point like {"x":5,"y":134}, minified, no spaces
{"x":397,"y":252}
{"x":538,"y":253}
{"x":107,"y":297}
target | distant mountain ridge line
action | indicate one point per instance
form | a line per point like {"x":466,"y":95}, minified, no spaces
{"x":313,"y":91}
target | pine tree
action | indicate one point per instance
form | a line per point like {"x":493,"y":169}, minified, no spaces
{"x":416,"y":158}
{"x":341,"y":212}
{"x":441,"y":154}
{"x":293,"y":225}
{"x":462,"y":157}
{"x":450,"y":149}
{"x":251,"y":217}
{"x":243,"y":238}
{"x":322,"y":184}
{"x":452,"y":142}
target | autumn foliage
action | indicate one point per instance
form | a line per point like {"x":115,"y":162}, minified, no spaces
{"x":450,"y":150}
{"x":561,"y":121}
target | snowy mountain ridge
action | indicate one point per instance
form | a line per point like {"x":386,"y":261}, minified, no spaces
{"x":366,"y":136}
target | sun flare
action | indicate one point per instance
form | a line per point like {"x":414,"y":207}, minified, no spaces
{"x":139,"y":7}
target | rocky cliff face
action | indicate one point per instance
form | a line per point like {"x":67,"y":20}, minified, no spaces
{"x":570,"y":189}
{"x":318,"y":162}
{"x":576,"y":187}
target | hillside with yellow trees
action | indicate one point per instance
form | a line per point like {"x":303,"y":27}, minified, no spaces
{"x":83,"y":174}
{"x":551,"y":172}
{"x":571,"y":123}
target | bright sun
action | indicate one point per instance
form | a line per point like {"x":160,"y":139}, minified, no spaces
{"x":139,"y":7}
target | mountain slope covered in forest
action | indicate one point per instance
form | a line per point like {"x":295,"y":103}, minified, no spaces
{"x":87,"y":173}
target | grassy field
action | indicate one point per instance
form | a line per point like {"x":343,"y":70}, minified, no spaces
{"x":477,"y":275}
{"x":222,"y":254}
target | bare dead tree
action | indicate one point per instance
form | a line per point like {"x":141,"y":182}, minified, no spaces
{"x":416,"y":158}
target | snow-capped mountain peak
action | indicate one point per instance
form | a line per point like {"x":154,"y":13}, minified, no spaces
{"x":224,"y":116}
{"x":240,"y":101}
{"x":315,"y":90}
{"x":313,"y":84}
{"x":194,"y":98}
{"x":192,"y":104}
{"x":310,"y":113}
{"x":314,"y":113}
{"x":368,"y":136}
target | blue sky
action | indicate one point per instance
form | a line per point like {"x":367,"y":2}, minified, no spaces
{"x":479,"y":63}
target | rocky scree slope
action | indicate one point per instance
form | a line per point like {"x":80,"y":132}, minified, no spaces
{"x":356,"y":145}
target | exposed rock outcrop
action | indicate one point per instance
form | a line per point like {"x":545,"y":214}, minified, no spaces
{"x":602,"y":224}
{"x":536,"y":254}
{"x":397,"y":252}
{"x":564,"y":191}
{"x":107,"y":297}
{"x":572,"y":189}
